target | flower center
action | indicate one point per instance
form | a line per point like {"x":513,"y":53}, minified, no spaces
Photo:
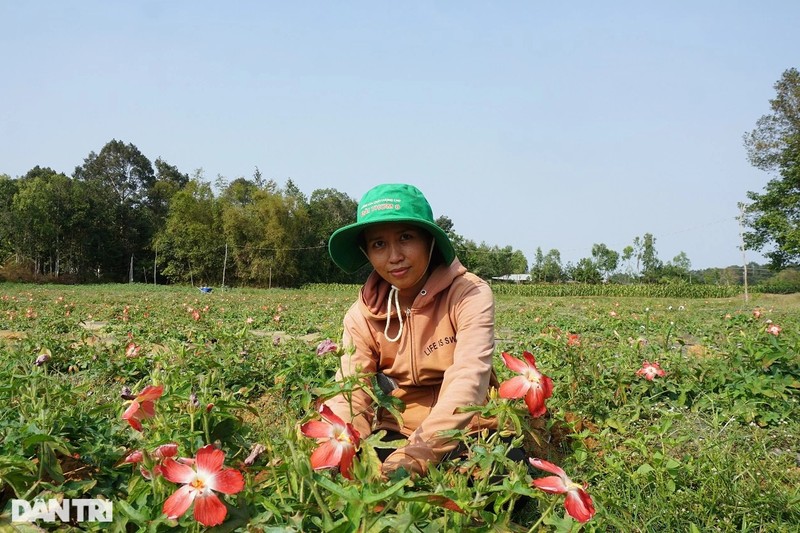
{"x":344,"y":437}
{"x":531,"y":376}
{"x":198,"y":484}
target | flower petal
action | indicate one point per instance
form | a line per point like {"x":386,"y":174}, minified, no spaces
{"x":547,"y":466}
{"x":180,"y":500}
{"x":150,"y":393}
{"x":579,"y":505}
{"x":209,"y":510}
{"x":347,"y":461}
{"x":329,"y":415}
{"x":514,"y":364}
{"x":130,"y":412}
{"x":134,"y":457}
{"x":515,"y":387}
{"x":535,"y":400}
{"x":529,"y":358}
{"x":355,"y":436}
{"x":209,"y":459}
{"x":166,"y":450}
{"x":317,"y":429}
{"x":147,"y":410}
{"x":327,"y":455}
{"x":551,"y":484}
{"x":228,"y":481}
{"x":177,"y":472}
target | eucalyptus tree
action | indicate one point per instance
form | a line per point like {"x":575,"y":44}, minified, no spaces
{"x":605,"y":259}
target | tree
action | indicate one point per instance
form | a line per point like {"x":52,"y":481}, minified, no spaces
{"x":328,"y":210}
{"x":586,"y":271}
{"x":537,"y":270}
{"x":168,"y":181}
{"x":190,"y":246}
{"x":774,"y":146}
{"x":605,"y":259}
{"x":677,"y":269}
{"x":8,"y":188}
{"x":120,"y":178}
{"x":552,"y":270}
{"x":651,"y":264}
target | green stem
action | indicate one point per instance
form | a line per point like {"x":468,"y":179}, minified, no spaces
{"x":541,"y":518}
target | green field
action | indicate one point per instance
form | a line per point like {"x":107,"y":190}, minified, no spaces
{"x":714,"y":445}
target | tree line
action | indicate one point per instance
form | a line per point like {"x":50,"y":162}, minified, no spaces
{"x":121,"y":217}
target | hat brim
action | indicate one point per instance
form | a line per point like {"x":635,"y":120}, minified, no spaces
{"x":343,"y":246}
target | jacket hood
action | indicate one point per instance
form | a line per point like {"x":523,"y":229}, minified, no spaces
{"x":375,"y":291}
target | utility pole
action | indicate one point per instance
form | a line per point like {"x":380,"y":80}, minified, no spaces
{"x":225,"y":264}
{"x":744,"y":256}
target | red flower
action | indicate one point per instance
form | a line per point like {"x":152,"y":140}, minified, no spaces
{"x":650,"y":371}
{"x":160,"y":454}
{"x":530,"y":383}
{"x":142,"y":406}
{"x":199,"y":486}
{"x":339,"y":442}
{"x":578,"y":503}
{"x":574,"y":339}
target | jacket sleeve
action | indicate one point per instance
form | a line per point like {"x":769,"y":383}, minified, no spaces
{"x":465,"y":383}
{"x":358,"y":357}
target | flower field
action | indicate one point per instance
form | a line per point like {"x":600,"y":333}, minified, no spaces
{"x":192,"y":410}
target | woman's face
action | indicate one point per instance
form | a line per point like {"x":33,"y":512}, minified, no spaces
{"x":400,"y":254}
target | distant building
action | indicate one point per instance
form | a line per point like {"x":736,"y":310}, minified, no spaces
{"x":513,"y":278}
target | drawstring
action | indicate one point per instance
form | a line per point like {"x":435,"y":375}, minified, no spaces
{"x":394,"y":290}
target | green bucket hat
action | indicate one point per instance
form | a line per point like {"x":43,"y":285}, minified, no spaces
{"x":392,"y":202}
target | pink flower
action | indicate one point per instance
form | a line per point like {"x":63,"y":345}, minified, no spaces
{"x":650,"y":370}
{"x":142,"y":406}
{"x":756,"y":313}
{"x":327,"y":346}
{"x":530,"y":383}
{"x":132,"y":350}
{"x":774,"y":329}
{"x":199,"y":484}
{"x":578,"y":503}
{"x":338,"y":442}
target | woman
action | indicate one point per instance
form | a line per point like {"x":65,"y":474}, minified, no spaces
{"x":421,"y":320}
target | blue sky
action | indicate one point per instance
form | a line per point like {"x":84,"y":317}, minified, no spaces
{"x":528,"y":124}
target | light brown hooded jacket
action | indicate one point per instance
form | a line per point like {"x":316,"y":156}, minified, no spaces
{"x":441,"y":362}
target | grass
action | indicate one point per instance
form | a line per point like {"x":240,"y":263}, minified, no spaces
{"x":711,"y":446}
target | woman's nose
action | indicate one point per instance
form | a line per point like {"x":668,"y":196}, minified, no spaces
{"x":395,"y":253}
